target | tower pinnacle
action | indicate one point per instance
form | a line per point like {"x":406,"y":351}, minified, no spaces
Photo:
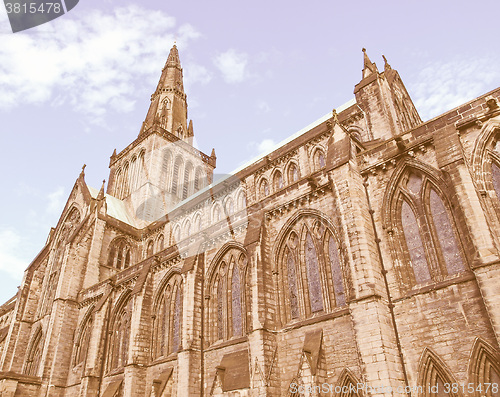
{"x":368,"y":66}
{"x":168,"y":109}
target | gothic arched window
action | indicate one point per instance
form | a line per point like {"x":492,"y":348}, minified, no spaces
{"x":319,"y":159}
{"x":34,"y":354}
{"x":264,"y":188}
{"x":167,"y":325}
{"x":197,"y":222}
{"x":429,"y":242}
{"x":278,"y":181}
{"x":120,"y":335}
{"x":242,"y":201}
{"x":311,"y":275}
{"x":165,"y":169}
{"x":484,"y":369}
{"x":160,"y":243}
{"x":216,"y":213}
{"x":150,"y":249}
{"x":229,"y":206}
{"x":227,"y":300}
{"x":82,"y":343}
{"x":293,"y":173}
{"x":175,"y":177}
{"x":119,"y":254}
{"x":186,"y":186}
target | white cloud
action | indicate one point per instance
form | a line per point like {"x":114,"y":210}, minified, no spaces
{"x":266,"y":145}
{"x":195,"y":74}
{"x":10,"y":249}
{"x":263,"y":107}
{"x":233,"y":66}
{"x":443,"y":86}
{"x":94,"y":61}
{"x":56,"y":201}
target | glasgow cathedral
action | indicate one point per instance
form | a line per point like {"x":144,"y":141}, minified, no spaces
{"x":360,"y":258}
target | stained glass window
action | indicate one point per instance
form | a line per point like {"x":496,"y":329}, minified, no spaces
{"x":313,"y":276}
{"x":338,"y":285}
{"x":446,"y":237}
{"x":236,"y":301}
{"x":220,"y":309}
{"x":292,"y":285}
{"x":177,"y":323}
{"x":414,"y":243}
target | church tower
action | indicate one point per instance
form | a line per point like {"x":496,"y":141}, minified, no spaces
{"x":161,"y":167}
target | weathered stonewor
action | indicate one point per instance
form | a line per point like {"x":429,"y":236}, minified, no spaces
{"x":359,"y":258}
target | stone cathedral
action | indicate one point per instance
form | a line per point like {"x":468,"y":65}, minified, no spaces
{"x":360,"y":258}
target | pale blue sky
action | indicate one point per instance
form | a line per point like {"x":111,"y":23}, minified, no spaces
{"x":255,"y":72}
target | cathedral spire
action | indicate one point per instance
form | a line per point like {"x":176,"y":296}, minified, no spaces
{"x":368,"y":66}
{"x":168,"y":109}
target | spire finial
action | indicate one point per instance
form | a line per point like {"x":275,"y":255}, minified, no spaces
{"x":100,"y":196}
{"x":82,"y":173}
{"x":386,"y":64}
{"x":368,"y":66}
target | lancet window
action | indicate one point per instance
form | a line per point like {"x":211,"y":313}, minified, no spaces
{"x":167,"y":326}
{"x":82,"y":343}
{"x":34,"y":354}
{"x":120,"y":335}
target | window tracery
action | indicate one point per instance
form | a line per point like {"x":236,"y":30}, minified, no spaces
{"x":227,"y":300}
{"x":429,"y":242}
{"x":120,"y":335}
{"x":310,"y":276}
{"x":82,"y":344}
{"x":119,"y":255}
{"x":167,"y":323}
{"x":34,"y":354}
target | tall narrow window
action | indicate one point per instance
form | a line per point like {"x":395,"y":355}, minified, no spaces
{"x":495,"y":174}
{"x":446,"y":237}
{"x":414,"y":242}
{"x":161,"y":243}
{"x":34,"y":355}
{"x":338,"y":285}
{"x":220,"y":309}
{"x":177,"y":323}
{"x":186,"y":189}
{"x":292,"y":284}
{"x":264,"y":188}
{"x":293,"y":173}
{"x":175,"y":176}
{"x":278,"y":181}
{"x":236,"y":301}
{"x":319,"y":159}
{"x":313,"y":276}
{"x":83,"y":342}
{"x":150,"y":250}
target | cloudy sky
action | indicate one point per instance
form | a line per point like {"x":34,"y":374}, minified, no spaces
{"x":76,"y":88}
